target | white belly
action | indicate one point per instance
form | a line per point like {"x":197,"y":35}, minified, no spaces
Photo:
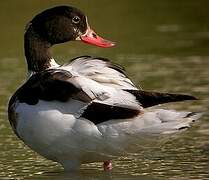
{"x":53,"y":131}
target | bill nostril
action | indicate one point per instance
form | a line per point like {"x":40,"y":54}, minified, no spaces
{"x":94,"y":35}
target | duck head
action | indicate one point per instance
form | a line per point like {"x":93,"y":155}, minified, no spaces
{"x":64,"y":23}
{"x":53,"y":26}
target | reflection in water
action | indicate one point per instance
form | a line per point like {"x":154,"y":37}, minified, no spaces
{"x":162,"y":49}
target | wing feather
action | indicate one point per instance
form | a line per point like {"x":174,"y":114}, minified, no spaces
{"x":103,"y":88}
{"x":148,"y":99}
{"x":101,"y":103}
{"x":102,"y":71}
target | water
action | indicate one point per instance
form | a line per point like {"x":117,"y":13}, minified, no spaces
{"x":164,"y":46}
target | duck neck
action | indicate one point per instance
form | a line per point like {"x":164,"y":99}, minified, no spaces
{"x":37,"y":52}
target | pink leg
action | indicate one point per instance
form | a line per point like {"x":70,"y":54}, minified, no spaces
{"x":107,"y":165}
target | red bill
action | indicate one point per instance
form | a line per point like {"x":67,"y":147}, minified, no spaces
{"x":91,"y":37}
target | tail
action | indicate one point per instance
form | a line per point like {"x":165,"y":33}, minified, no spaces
{"x":149,"y":129}
{"x":168,"y":121}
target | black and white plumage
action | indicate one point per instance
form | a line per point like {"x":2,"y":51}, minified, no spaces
{"x":86,"y":110}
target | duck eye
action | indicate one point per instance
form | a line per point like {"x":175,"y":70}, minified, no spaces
{"x":76,"y":19}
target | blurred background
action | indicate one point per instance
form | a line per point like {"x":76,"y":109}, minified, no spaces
{"x":164,"y":46}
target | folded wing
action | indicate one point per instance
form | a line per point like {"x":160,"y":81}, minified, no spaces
{"x":102,"y":88}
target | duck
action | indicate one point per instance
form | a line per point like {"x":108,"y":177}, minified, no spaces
{"x":86,"y":110}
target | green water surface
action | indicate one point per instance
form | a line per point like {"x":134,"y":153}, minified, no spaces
{"x":164,"y":46}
